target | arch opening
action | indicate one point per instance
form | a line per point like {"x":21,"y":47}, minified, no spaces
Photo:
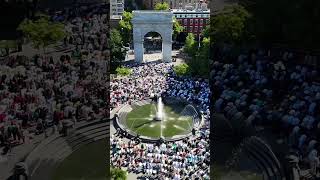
{"x":152,"y":46}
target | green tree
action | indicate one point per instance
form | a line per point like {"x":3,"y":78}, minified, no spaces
{"x":117,"y":51}
{"x":125,"y":27}
{"x":118,"y":174}
{"x":123,"y":71}
{"x":42,"y":32}
{"x":190,"y":46}
{"x":177,"y":28}
{"x":207,"y":31}
{"x":199,"y":62}
{"x":203,"y":60}
{"x":162,"y":6}
{"x":293,"y":23}
{"x":229,"y":26}
{"x":182,"y":69}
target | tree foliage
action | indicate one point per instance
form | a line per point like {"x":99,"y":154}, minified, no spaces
{"x":123,"y":71}
{"x":117,"y":51}
{"x":125,"y":26}
{"x":190,"y":46}
{"x":229,"y":26}
{"x":177,"y":28}
{"x":162,"y":6}
{"x":118,"y":174}
{"x":42,"y":32}
{"x":200,"y":61}
{"x":182,"y":69}
{"x":199,"y":57}
{"x":295,"y":22}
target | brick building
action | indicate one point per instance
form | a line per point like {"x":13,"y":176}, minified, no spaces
{"x":116,"y":7}
{"x":174,"y":4}
{"x":193,"y":21}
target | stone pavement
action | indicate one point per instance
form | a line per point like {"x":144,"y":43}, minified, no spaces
{"x":18,"y":153}
{"x":154,"y":56}
{"x":131,"y":176}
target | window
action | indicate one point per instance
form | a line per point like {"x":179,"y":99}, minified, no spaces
{"x":200,"y":28}
{"x":196,"y":21}
{"x":190,"y":29}
{"x":185,"y":21}
{"x":191,"y":21}
{"x":207,"y":21}
{"x":196,"y":29}
{"x":185,"y":28}
{"x":201,"y":21}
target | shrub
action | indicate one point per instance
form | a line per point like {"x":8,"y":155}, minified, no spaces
{"x":182,"y":69}
{"x":123,"y":71}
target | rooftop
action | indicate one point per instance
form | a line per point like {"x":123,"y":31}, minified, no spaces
{"x":150,"y":11}
{"x":116,"y":17}
{"x":190,"y":11}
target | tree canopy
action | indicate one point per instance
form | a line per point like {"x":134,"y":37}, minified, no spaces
{"x":42,"y":32}
{"x":294,"y":23}
{"x":117,"y":51}
{"x":123,"y":71}
{"x":199,"y":56}
{"x":125,"y":26}
{"x":118,"y":174}
{"x":190,"y":46}
{"x":177,"y":28}
{"x":229,"y":26}
{"x":182,"y":69}
{"x":162,"y":6}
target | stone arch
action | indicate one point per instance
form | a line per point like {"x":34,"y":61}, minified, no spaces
{"x":152,"y":21}
{"x":156,"y":42}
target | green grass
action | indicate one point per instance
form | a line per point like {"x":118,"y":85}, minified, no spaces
{"x":87,"y":163}
{"x":140,"y":121}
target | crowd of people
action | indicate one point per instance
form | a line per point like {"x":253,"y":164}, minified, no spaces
{"x":57,"y":89}
{"x":273,"y":91}
{"x":158,"y":78}
{"x":166,"y":160}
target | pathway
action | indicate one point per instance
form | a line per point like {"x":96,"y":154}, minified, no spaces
{"x":18,"y":153}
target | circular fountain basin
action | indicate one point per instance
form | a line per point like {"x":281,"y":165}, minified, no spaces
{"x":176,"y":123}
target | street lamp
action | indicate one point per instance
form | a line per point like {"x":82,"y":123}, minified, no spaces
{"x":199,"y":43}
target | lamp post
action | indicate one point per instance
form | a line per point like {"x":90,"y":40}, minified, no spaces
{"x":199,"y":44}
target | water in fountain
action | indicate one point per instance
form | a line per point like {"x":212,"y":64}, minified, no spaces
{"x":190,"y":111}
{"x":160,"y":113}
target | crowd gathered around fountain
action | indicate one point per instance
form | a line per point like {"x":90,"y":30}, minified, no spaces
{"x":158,"y":79}
{"x":58,"y":89}
{"x":166,"y":160}
{"x":273,"y":90}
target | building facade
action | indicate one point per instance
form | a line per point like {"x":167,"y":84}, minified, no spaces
{"x":116,"y":7}
{"x":193,"y":21}
{"x":174,"y":4}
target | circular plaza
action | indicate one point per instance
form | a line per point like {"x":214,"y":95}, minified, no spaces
{"x":179,"y":119}
{"x":164,"y":116}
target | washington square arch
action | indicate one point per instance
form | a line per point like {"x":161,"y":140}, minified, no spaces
{"x":152,"y":21}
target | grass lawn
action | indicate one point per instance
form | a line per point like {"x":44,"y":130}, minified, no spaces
{"x":87,"y":163}
{"x":140,"y":120}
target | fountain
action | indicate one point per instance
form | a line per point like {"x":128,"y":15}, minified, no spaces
{"x":160,"y":113}
{"x":160,"y":121}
